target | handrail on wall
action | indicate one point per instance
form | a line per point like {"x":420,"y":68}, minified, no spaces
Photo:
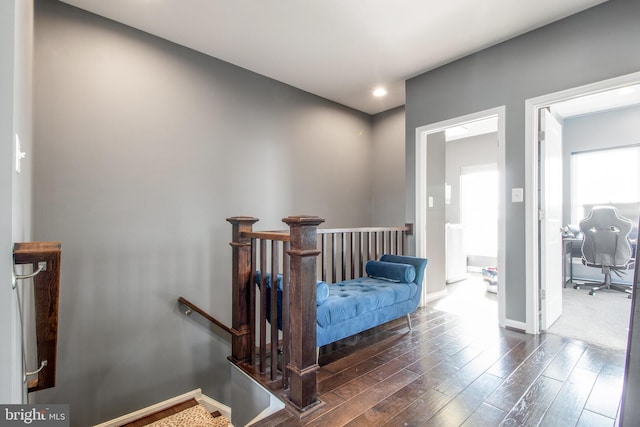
{"x":45,"y":258}
{"x":201,"y":312}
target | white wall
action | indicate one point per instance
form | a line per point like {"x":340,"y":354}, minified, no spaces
{"x":607,"y":129}
{"x":7,"y":320}
{"x":16,"y":27}
{"x":464,"y":152}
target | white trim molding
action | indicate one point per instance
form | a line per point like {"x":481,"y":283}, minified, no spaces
{"x":532,"y":106}
{"x":421,"y":194}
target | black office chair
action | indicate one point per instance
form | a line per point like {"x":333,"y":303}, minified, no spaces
{"x":606,"y":245}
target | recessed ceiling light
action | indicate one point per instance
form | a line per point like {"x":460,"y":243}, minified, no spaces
{"x":380,"y":92}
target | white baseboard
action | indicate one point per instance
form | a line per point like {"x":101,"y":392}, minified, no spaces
{"x":210,"y":404}
{"x":514,"y":324}
{"x":455,"y":279}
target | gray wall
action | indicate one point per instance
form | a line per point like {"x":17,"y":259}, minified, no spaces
{"x":16,"y":41}
{"x":594,"y":45}
{"x":387,"y":168}
{"x":596,"y":131}
{"x":143,"y":149}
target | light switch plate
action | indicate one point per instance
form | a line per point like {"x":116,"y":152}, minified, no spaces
{"x":517,"y":195}
{"x":19,"y":154}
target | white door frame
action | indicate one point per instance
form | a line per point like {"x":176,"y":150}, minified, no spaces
{"x":531,"y":183}
{"x":421,"y":192}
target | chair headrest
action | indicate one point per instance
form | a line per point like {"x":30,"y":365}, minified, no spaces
{"x":606,"y":218}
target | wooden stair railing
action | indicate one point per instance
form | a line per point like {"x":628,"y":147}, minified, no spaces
{"x":303,"y":365}
{"x":293,"y":254}
{"x":241,"y":345}
{"x":349,"y":249}
{"x":45,"y":258}
{"x":210,"y":318}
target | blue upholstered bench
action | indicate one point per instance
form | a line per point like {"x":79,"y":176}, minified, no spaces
{"x":391,"y":289}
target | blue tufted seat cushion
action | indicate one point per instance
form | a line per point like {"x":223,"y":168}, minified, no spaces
{"x":351,"y":298}
{"x":352,"y":306}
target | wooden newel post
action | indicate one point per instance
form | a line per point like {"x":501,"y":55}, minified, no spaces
{"x":241,"y":345}
{"x":302,"y":310}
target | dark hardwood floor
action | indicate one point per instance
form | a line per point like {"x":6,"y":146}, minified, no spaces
{"x":449,"y":371}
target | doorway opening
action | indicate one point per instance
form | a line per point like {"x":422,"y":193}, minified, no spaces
{"x":479,"y":214}
{"x":574,"y":107}
{"x":440,"y":226}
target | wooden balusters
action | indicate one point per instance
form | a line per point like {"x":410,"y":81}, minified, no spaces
{"x":344,"y":253}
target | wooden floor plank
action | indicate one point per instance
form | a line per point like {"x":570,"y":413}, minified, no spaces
{"x":485,"y":416}
{"x":593,"y":358}
{"x":470,"y":372}
{"x":591,"y":419}
{"x":507,"y":364}
{"x":569,"y":404}
{"x":344,"y":414}
{"x":450,"y":372}
{"x":516,"y":385}
{"x":604,"y":398}
{"x":346,"y":375}
{"x":356,"y":387}
{"x":404,"y":397}
{"x":467,"y":402}
{"x":565,"y":361}
{"x":421,"y":410}
{"x":608,"y":386}
{"x":532,"y":406}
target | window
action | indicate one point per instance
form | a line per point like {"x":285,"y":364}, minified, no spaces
{"x":479,"y":209}
{"x":604,"y":177}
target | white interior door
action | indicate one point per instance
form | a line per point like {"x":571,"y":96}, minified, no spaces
{"x":551,"y":280}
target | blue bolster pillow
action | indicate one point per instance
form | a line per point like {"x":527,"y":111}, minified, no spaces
{"x":322,"y":292}
{"x":391,"y":271}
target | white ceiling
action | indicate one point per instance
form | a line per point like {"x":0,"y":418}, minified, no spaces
{"x":338,"y":49}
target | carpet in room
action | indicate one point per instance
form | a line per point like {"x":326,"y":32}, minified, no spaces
{"x":601,"y":319}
